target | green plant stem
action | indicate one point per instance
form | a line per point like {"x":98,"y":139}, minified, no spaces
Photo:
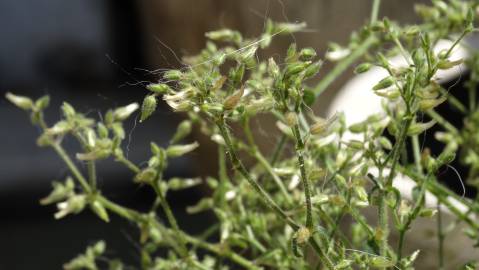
{"x":278,"y":149}
{"x":440,"y":237}
{"x":223,"y":252}
{"x":304,"y":177}
{"x":169,"y":215}
{"x":443,"y":122}
{"x":130,"y":165}
{"x":238,"y":166}
{"x":71,"y":166}
{"x":134,"y":216}
{"x":453,"y":101}
{"x":375,"y":11}
{"x":416,"y":152}
{"x":344,"y":64}
{"x":262,"y":160}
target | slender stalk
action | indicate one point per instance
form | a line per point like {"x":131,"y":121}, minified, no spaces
{"x":71,"y":166}
{"x":344,"y":64}
{"x":304,"y":177}
{"x":130,"y":165}
{"x":440,"y":237}
{"x":417,"y":153}
{"x":262,"y":160}
{"x":238,"y":165}
{"x":278,"y":149}
{"x":170,"y":216}
{"x":375,"y":11}
{"x":441,"y":121}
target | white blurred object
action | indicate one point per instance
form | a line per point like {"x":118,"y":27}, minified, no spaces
{"x":357,"y":101}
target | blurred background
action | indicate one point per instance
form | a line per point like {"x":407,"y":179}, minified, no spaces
{"x":96,"y":54}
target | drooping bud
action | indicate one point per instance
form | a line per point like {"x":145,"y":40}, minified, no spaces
{"x":313,"y":69}
{"x":68,"y":110}
{"x":427,"y":104}
{"x":122,"y":113}
{"x":180,"y":150}
{"x":22,"y":102}
{"x":183,"y":130}
{"x":319,"y":127}
{"x":446,"y":64}
{"x":148,"y":107}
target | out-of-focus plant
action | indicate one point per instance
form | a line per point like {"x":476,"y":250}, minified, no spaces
{"x":283,"y":211}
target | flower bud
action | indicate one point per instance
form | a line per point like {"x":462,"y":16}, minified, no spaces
{"x":384,"y":83}
{"x":73,"y":205}
{"x":362,"y":68}
{"x":273,"y":69}
{"x":179,"y":150}
{"x":313,"y":69}
{"x":22,"y":102}
{"x":159,"y":88}
{"x":60,"y":192}
{"x":183,"y":130}
{"x":148,"y":107}
{"x":446,"y":64}
{"x":418,"y":128}
{"x":68,"y":110}
{"x":60,"y":127}
{"x":307,"y":54}
{"x":172,"y":75}
{"x":427,"y":104}
{"x":381,"y":262}
{"x":42,"y":103}
{"x":122,"y":113}
{"x":295,"y":68}
{"x":227,"y":35}
{"x":99,"y":210}
{"x":147,"y":176}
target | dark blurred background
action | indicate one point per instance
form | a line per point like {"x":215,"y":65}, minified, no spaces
{"x":95,"y":55}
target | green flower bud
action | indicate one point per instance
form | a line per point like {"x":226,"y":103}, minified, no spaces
{"x":427,"y":104}
{"x":288,"y":28}
{"x":427,"y":212}
{"x":446,"y":64}
{"x":313,"y":69}
{"x":22,"y":102}
{"x":123,"y":113}
{"x":159,"y":88}
{"x":42,"y":103}
{"x":362,"y":68}
{"x":295,"y":68}
{"x":227,"y":35}
{"x":384,"y":83}
{"x":73,"y":205}
{"x":99,"y":210}
{"x":60,"y":192}
{"x":59,"y":128}
{"x":381,"y":262}
{"x":68,"y":110}
{"x":319,"y":127}
{"x":180,"y":150}
{"x":148,"y":107}
{"x":418,"y":128}
{"x":173,"y":75}
{"x":183,"y":130}
{"x":273,"y":69}
{"x":307,"y":54}
{"x":102,"y":130}
{"x":147,"y":176}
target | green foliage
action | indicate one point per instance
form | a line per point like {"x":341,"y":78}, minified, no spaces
{"x":284,"y":211}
